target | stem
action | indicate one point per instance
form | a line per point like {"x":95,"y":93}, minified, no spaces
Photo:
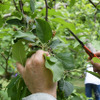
{"x":92,"y":3}
{"x":2,"y":66}
{"x":95,"y":16}
{"x":21,"y":6}
{"x":54,"y":3}
{"x":46,"y":4}
{"x":3,"y":56}
{"x":15,"y":5}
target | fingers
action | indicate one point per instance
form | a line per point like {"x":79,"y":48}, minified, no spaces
{"x":38,"y":58}
{"x":96,"y":67}
{"x":98,"y":54}
{"x":41,"y":52}
{"x":20,"y":68}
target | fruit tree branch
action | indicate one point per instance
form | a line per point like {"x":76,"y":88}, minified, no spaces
{"x":92,"y":3}
{"x":21,"y":6}
{"x":15,"y":5}
{"x":46,"y":4}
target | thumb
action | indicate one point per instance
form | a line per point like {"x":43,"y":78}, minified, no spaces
{"x":20,"y":68}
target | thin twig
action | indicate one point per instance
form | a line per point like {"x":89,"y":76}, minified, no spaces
{"x":46,"y":4}
{"x":21,"y":6}
{"x":95,"y":16}
{"x":6,"y":69}
{"x":15,"y":5}
{"x":92,"y":3}
{"x":54,"y":3}
{"x":3,"y":56}
{"x":2,"y":66}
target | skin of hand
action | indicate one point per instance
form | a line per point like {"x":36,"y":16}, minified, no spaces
{"x":36,"y":76}
{"x":96,"y":66}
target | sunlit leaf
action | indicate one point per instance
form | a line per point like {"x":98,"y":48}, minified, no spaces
{"x":72,"y":2}
{"x":19,"y":53}
{"x":70,"y":26}
{"x":96,"y":60}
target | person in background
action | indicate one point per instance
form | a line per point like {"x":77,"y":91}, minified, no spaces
{"x":92,"y":83}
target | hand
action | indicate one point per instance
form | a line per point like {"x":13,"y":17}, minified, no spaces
{"x":96,"y":66}
{"x":36,"y":76}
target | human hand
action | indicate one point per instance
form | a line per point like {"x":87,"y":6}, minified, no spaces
{"x":96,"y":66}
{"x":36,"y":76}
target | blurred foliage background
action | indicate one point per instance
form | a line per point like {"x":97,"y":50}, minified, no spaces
{"x":17,"y":17}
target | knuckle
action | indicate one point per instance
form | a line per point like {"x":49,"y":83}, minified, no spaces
{"x":36,"y":61}
{"x":28,"y":65}
{"x":39,"y":52}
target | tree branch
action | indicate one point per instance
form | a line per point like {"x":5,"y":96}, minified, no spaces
{"x":3,"y":56}
{"x":15,"y":5}
{"x":46,"y":4}
{"x":95,"y":16}
{"x":2,"y":66}
{"x":92,"y":3}
{"x":21,"y":6}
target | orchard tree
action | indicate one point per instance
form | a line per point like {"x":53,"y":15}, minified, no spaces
{"x":29,"y":25}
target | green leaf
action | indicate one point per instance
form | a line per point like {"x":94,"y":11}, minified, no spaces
{"x":72,"y":2}
{"x":96,"y":60}
{"x":98,"y":7}
{"x":17,"y":14}
{"x":77,"y":98}
{"x":1,"y":21}
{"x":19,"y":53}
{"x":94,"y":73}
{"x":14,"y":22}
{"x":32,"y":5}
{"x":43,"y":30}
{"x":65,"y":24}
{"x":13,"y":81}
{"x":67,"y":59}
{"x":12,"y":89}
{"x":56,"y":68}
{"x":17,"y":89}
{"x":26,"y":36}
{"x":55,"y":43}
{"x":66,"y":87}
{"x":4,"y":7}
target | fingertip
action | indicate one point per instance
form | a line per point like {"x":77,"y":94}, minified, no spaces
{"x":20,"y":68}
{"x":47,"y":53}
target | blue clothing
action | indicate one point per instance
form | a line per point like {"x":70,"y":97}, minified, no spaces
{"x":92,"y":87}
